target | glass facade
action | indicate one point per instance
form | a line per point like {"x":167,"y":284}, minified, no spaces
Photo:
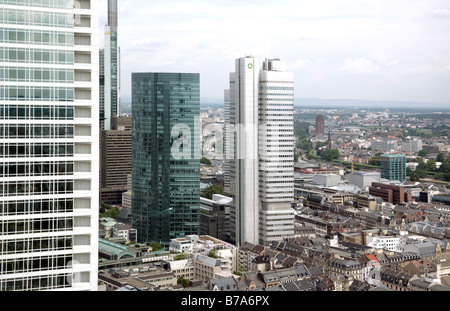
{"x":38,"y":137}
{"x":165,"y":186}
{"x":393,"y":166}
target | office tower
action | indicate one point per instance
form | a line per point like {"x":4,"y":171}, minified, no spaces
{"x":49,"y":145}
{"x":242,"y":155}
{"x":215,"y":216}
{"x":226,"y":142}
{"x":165,"y":155}
{"x":260,"y":142}
{"x":320,"y":125}
{"x":110,"y":69}
{"x":115,"y":160}
{"x":276,"y":151}
{"x":393,"y":166}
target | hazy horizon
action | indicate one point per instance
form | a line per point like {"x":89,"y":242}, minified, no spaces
{"x":359,"y":49}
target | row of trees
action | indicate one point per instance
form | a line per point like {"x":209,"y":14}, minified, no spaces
{"x":424,"y":169}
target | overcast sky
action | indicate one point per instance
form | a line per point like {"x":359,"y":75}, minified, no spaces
{"x":358,"y":49}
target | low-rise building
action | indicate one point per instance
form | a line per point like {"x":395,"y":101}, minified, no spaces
{"x":143,"y":278}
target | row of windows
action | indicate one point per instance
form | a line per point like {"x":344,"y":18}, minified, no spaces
{"x":36,"y":37}
{"x":289,"y":110}
{"x":36,"y":93}
{"x":35,"y":245}
{"x":29,"y":226}
{"x":36,"y":56}
{"x":287,"y":176}
{"x":278,"y":105}
{"x":36,"y":112}
{"x":276,"y":156}
{"x":21,"y":74}
{"x":275,"y":94}
{"x":276,"y":99}
{"x":35,"y":264}
{"x":22,"y":150}
{"x":288,"y":116}
{"x":42,"y":206}
{"x":36,"y":131}
{"x":263,"y":173}
{"x":36,"y":18}
{"x":60,"y":4}
{"x":279,"y":140}
{"x":278,"y":125}
{"x":36,"y":187}
{"x":276,"y":88}
{"x":35,"y":283}
{"x":36,"y":169}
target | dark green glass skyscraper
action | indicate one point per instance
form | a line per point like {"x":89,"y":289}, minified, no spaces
{"x":166,"y":155}
{"x":393,"y":166}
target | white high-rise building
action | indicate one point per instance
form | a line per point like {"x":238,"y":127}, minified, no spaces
{"x":242,"y":153}
{"x":413,"y":145}
{"x":260,"y":142}
{"x":49,"y":142}
{"x":276,"y":151}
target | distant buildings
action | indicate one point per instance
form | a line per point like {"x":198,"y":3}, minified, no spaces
{"x":328,"y":180}
{"x":393,"y":166}
{"x":320,"y":125}
{"x":412,"y":145}
{"x":363,"y":179}
{"x":165,"y":155}
{"x":385,"y":145}
{"x":110,"y":69}
{"x":390,"y":193}
{"x":115,"y":160}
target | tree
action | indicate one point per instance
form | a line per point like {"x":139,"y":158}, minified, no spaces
{"x":414,"y":176}
{"x":423,"y":153}
{"x":431,"y":165}
{"x":376,"y":160}
{"x":181,"y":280}
{"x":156,"y":246}
{"x":205,"y":161}
{"x":212,"y":189}
{"x":440,"y":157}
{"x":330,"y":155}
{"x":213,"y":254}
{"x":305,"y":144}
{"x":296,"y":156}
{"x":113,"y":211}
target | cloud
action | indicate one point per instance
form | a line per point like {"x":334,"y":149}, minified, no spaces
{"x":385,"y":41}
{"x":360,"y":66}
{"x":429,"y":68}
{"x":441,"y":13}
{"x":299,"y":64}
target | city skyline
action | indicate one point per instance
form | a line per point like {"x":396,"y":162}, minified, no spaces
{"x":255,"y":177}
{"x":362,"y":50}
